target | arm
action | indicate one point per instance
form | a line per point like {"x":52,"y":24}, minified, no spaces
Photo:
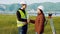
{"x":19,"y":17}
{"x":32,"y":21}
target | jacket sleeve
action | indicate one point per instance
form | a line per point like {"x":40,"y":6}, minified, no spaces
{"x":32,"y":21}
{"x":19,"y":17}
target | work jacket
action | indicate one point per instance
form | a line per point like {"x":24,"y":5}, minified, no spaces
{"x":39,"y":23}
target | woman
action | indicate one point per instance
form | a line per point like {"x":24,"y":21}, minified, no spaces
{"x":39,"y":22}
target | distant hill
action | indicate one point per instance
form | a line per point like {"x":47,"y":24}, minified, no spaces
{"x":10,"y":7}
{"x":47,"y":6}
{"x":14,"y":7}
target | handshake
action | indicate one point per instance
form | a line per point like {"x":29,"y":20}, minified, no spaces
{"x":30,"y":21}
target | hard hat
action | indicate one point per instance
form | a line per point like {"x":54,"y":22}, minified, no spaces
{"x":40,"y":7}
{"x":22,"y":2}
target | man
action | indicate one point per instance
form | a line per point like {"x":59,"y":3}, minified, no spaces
{"x":22,"y":19}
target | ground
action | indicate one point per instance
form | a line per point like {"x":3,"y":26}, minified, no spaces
{"x":8,"y":25}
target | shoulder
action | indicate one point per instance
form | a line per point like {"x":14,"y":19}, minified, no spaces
{"x":19,"y":9}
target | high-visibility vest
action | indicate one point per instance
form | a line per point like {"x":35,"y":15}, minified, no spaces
{"x":20,"y":23}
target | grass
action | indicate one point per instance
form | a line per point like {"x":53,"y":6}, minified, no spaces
{"x":8,"y":25}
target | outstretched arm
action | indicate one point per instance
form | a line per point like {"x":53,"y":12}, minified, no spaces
{"x":32,"y":21}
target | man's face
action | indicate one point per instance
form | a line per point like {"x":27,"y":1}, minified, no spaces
{"x":24,"y":6}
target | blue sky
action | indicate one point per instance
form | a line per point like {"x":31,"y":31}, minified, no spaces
{"x":28,"y":1}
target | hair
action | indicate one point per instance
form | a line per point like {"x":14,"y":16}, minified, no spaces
{"x":42,"y":13}
{"x":24,"y":4}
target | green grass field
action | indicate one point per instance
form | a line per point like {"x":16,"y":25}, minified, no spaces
{"x":8,"y":25}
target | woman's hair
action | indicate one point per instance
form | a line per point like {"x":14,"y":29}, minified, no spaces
{"x":42,"y":13}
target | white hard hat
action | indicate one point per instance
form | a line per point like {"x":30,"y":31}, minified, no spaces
{"x":40,"y":7}
{"x":22,"y":2}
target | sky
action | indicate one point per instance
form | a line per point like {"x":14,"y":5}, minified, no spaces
{"x":27,"y":1}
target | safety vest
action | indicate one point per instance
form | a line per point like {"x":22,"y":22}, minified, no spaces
{"x":20,"y":23}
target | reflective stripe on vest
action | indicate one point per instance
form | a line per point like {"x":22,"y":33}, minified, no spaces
{"x":22,"y":14}
{"x":19,"y":23}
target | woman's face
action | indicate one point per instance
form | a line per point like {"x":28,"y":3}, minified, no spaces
{"x":38,"y":10}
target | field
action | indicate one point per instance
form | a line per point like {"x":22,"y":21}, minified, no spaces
{"x":8,"y":25}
